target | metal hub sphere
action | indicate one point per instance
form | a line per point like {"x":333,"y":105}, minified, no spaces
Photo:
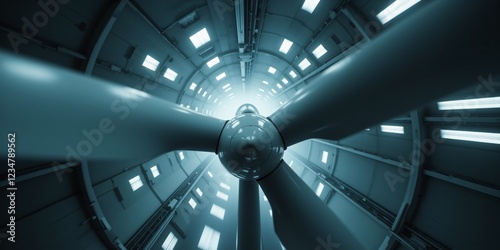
{"x":250,"y":146}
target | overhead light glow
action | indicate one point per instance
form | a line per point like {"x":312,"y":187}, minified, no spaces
{"x":170,"y":242}
{"x":204,"y":94}
{"x":227,"y":89}
{"x":396,"y":8}
{"x":484,"y":137}
{"x":274,"y":91}
{"x":219,"y":77}
{"x":324,"y":157}
{"x":279,"y":86}
{"x":310,"y":5}
{"x":199,"y":38}
{"x":393,"y":129}
{"x":199,"y":90}
{"x":181,"y":155}
{"x":319,"y":189}
{"x":222,"y":195}
{"x":225,"y":186}
{"x":210,"y":174}
{"x":209,"y":239}
{"x":293,"y":74}
{"x":192,"y":203}
{"x":154,"y":171}
{"x":200,"y":193}
{"x":216,"y":99}
{"x":284,"y":80}
{"x":271,"y":70}
{"x":265,"y":82}
{"x":217,"y":211}
{"x":478,"y":103}
{"x":210,"y":96}
{"x":226,"y":86}
{"x":285,"y":46}
{"x":170,"y":75}
{"x":135,"y":182}
{"x":261,"y":90}
{"x":213,"y":62}
{"x":193,"y":86}
{"x":304,"y":64}
{"x":319,"y":51}
{"x":150,"y":63}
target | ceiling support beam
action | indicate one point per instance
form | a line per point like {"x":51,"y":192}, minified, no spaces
{"x":103,"y":29}
{"x":410,"y":201}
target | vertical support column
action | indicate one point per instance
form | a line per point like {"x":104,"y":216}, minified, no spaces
{"x":248,"y":216}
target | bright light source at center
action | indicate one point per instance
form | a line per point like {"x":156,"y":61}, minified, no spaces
{"x":271,"y":70}
{"x":284,"y":80}
{"x":393,"y":129}
{"x":293,"y":74}
{"x":265,"y":82}
{"x":199,"y":38}
{"x":219,"y":77}
{"x":213,"y":62}
{"x":310,"y":5}
{"x":319,"y":51}
{"x":285,"y":46}
{"x":279,"y":86}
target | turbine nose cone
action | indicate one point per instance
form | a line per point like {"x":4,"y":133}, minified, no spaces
{"x":250,"y":146}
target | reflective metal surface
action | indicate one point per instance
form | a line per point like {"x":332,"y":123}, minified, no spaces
{"x":250,"y":146}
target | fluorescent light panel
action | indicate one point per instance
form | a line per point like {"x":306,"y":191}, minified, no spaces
{"x":181,"y":155}
{"x":478,"y":103}
{"x":192,"y":203}
{"x":393,"y":129}
{"x":204,"y":94}
{"x":209,"y":239}
{"x":210,"y":174}
{"x":154,"y":171}
{"x":222,"y":195}
{"x":170,"y":74}
{"x":213,"y":62}
{"x":304,"y":64}
{"x":310,"y":5}
{"x":284,"y":80}
{"x":271,"y":70}
{"x":225,"y":186}
{"x":217,"y":211}
{"x":265,"y":82}
{"x":200,"y":193}
{"x":324,"y":157}
{"x":219,"y":77}
{"x":135,"y":182}
{"x":319,"y":189}
{"x":292,"y":74}
{"x":199,"y":38}
{"x":279,"y":86}
{"x":193,"y":86}
{"x":319,"y":51}
{"x":169,"y":242}
{"x":226,"y":86}
{"x":396,"y":8}
{"x":285,"y":46}
{"x":150,"y":63}
{"x":484,"y":137}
